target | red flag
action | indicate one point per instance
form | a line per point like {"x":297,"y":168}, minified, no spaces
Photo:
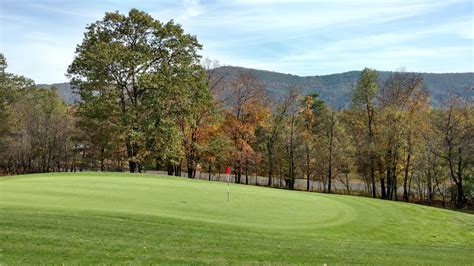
{"x":227,"y":170}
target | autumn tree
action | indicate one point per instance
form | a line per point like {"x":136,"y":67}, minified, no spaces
{"x":363,"y":98}
{"x":194,"y":119}
{"x":311,"y":108}
{"x":215,"y":149}
{"x":331,"y":137}
{"x":343,"y":150}
{"x":455,"y":126}
{"x":247,"y":101}
{"x":430,"y":177}
{"x":401,"y":100}
{"x":272,"y":129}
{"x":202,"y":116}
{"x":212,"y":142}
{"x":292,"y":136}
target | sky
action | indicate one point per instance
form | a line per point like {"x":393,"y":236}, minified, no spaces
{"x":38,"y":37}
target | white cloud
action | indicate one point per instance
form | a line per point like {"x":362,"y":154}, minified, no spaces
{"x":192,"y":9}
{"x":303,"y":37}
{"x":246,"y":26}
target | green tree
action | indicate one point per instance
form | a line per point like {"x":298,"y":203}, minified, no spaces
{"x":11,"y":87}
{"x":40,"y":131}
{"x":98,"y":130}
{"x":145,"y":67}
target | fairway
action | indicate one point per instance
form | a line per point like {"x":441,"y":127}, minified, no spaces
{"x":137,"y":218}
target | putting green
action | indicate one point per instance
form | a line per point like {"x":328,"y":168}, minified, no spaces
{"x":126,"y":218}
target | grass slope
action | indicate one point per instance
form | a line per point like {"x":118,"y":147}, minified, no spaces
{"x":122,"y":218}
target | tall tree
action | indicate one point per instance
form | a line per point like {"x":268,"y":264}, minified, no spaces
{"x":363,"y":100}
{"x":455,"y":126}
{"x":146,"y":69}
{"x":198,"y":116}
{"x":402,"y":99}
{"x":273,"y":127}
{"x":248,"y":108}
{"x":11,"y":88}
{"x":39,"y":134}
{"x":311,"y":107}
{"x":292,"y":126}
{"x":331,"y":129}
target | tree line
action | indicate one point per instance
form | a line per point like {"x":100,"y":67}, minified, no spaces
{"x":149,"y":102}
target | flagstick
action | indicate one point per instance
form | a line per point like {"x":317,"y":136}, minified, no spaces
{"x":228,"y":187}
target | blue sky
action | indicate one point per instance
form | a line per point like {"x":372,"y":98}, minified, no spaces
{"x":298,"y":37}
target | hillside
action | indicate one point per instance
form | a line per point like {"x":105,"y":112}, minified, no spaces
{"x":340,"y":85}
{"x":64,"y":90}
{"x":111,"y":218}
{"x":328,"y":86}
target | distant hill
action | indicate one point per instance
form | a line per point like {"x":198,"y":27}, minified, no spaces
{"x":64,"y":90}
{"x":333,"y":86}
{"x":340,"y":85}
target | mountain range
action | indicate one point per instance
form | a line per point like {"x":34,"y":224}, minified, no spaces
{"x":334,"y":87}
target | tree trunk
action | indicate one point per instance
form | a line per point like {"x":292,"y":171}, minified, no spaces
{"x":460,"y":198}
{"x":209,"y":170}
{"x":131,"y":153}
{"x":460,"y":201}
{"x":382,"y":181}
{"x":405,"y":180}
{"x":270,"y":163}
{"x":389,"y":177}
{"x":132,"y":166}
{"x":330,"y":166}
{"x":139,"y":167}
{"x":382,"y":187}
{"x":102,"y":159}
{"x":83,"y":158}
{"x":370,"y":117}
{"x":372,"y":177}
{"x":190,"y":171}
{"x":177,"y":170}
{"x":246,"y":172}
{"x":190,"y":164}
{"x":238,"y":172}
{"x":394,"y":176}
{"x":307,"y":168}
{"x":430,"y":189}
{"x":291,"y":167}
{"x":170,"y":168}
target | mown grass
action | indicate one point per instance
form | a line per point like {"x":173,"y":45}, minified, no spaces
{"x":124,"y":218}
